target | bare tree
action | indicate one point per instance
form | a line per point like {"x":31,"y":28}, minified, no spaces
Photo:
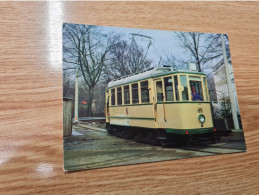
{"x":125,"y":59}
{"x":83,"y":96}
{"x":202,"y":48}
{"x":214,"y":53}
{"x":191,"y":43}
{"x":87,"y":47}
{"x":99,"y":96}
{"x":174,"y":61}
{"x":118,"y":61}
{"x":137,"y":56}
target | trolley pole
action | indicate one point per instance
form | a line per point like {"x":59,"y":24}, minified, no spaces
{"x":229,"y":84}
{"x":76,"y":96}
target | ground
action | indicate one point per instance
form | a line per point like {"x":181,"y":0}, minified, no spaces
{"x":90,"y":146}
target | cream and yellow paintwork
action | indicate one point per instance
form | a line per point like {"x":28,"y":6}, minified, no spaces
{"x":176,"y":115}
{"x":183,"y":116}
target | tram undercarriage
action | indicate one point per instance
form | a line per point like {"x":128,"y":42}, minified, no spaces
{"x":159,"y":136}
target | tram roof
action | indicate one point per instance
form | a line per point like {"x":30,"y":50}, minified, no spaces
{"x":150,"y":73}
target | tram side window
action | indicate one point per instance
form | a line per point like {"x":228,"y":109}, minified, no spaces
{"x":119,"y":96}
{"x":135,"y":98}
{"x":126,"y":94}
{"x":185,"y":87}
{"x":144,"y":92}
{"x":196,"y":91}
{"x":159,"y":91}
{"x":113,"y":96}
{"x":176,"y":88}
{"x":169,"y":96}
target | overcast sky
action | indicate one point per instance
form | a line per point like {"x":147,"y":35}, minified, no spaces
{"x":164,"y":42}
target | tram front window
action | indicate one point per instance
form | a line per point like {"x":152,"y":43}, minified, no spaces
{"x":183,"y":81}
{"x":196,"y":91}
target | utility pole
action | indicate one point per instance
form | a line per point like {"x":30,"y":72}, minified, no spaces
{"x":76,"y":96}
{"x":229,"y":84}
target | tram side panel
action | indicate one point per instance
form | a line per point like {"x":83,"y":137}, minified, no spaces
{"x":183,"y":116}
{"x":133,"y":116}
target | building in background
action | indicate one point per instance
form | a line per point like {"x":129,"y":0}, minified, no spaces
{"x":212,"y":88}
{"x":222,"y":107}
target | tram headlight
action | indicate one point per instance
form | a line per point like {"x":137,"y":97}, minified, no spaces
{"x":201,"y":118}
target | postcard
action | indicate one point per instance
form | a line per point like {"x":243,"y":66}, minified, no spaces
{"x":139,"y":95}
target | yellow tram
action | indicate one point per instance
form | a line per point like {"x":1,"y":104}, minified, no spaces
{"x":158,"y":105}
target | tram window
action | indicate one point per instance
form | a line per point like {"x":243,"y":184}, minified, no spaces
{"x":126,"y":94}
{"x":176,"y":88}
{"x":113,"y":96}
{"x":196,"y":91}
{"x":159,"y":91}
{"x":144,"y":91}
{"x":205,"y":89}
{"x":134,"y":89}
{"x":169,"y":96}
{"x":185,"y":87}
{"x":119,"y":97}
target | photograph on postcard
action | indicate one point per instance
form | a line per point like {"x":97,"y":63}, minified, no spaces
{"x":140,"y":95}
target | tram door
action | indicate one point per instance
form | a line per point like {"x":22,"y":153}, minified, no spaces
{"x":159,"y":91}
{"x":158,"y":98}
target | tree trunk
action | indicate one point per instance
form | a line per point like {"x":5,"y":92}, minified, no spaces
{"x":90,"y":100}
{"x":199,"y":65}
